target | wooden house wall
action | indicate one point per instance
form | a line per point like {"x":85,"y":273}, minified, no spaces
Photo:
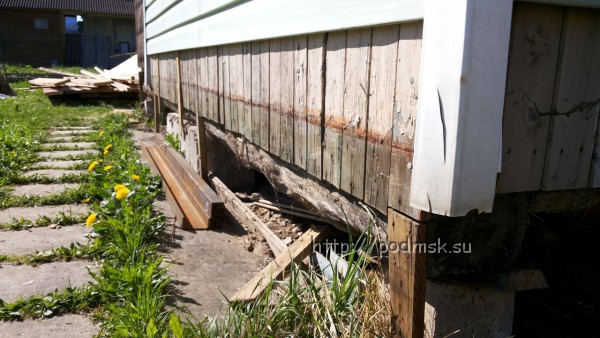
{"x":550,"y":130}
{"x":340,"y":105}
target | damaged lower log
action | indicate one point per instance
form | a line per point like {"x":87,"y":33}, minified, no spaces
{"x":331,"y":206}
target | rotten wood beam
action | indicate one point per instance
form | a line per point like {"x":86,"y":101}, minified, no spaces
{"x":332,"y":206}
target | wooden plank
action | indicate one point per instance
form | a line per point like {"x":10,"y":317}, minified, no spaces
{"x":405,"y":116}
{"x":213,"y":85}
{"x":384,"y":54}
{"x":185,"y":199}
{"x":354,"y":120}
{"x":275,"y":97}
{"x":247,"y":217}
{"x":225,"y":84}
{"x":196,"y":105}
{"x":47,"y":82}
{"x":265,"y":94}
{"x":300,"y":249}
{"x":286,"y":102}
{"x":532,"y":64}
{"x":255,"y":20}
{"x":577,"y":103}
{"x":300,"y":105}
{"x":407,"y":275}
{"x":203,"y":87}
{"x":54,"y":71}
{"x":334,"y":107}
{"x":236,"y":86}
{"x":314,"y":103}
{"x":246,"y":119}
{"x":179,"y":95}
{"x":256,"y":100}
{"x":92,"y":82}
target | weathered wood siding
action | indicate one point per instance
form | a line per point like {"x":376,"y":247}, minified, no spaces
{"x":550,"y":132}
{"x":339,"y":105}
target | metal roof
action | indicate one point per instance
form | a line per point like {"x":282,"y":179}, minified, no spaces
{"x":117,"y":7}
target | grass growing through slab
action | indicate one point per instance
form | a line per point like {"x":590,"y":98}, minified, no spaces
{"x":131,"y":287}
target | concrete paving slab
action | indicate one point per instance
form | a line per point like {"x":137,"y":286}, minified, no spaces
{"x":64,"y":153}
{"x":70,"y":132}
{"x":82,"y":145}
{"x":58,"y":164}
{"x":53,"y":173}
{"x":68,"y":326}
{"x":59,"y":139}
{"x":29,"y":241}
{"x":33,"y":213}
{"x":18,"y":281}
{"x":42,"y":189}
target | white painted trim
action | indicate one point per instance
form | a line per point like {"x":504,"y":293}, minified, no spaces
{"x":184,"y":12}
{"x":459,"y":133}
{"x":266,"y":19}
{"x":146,"y":74}
{"x":571,"y":3}
{"x":158,"y":8}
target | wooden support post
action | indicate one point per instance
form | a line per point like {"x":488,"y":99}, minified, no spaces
{"x":157,"y":107}
{"x":179,"y":96}
{"x":407,"y":275}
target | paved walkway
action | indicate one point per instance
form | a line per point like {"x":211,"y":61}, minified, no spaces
{"x":24,"y":281}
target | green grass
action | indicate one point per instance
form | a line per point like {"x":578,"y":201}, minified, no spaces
{"x":27,"y":69}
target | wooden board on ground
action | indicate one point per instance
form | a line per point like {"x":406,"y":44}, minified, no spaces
{"x":46,"y":82}
{"x":296,"y":252}
{"x":92,"y":82}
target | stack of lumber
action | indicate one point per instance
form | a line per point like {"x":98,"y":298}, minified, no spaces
{"x":120,"y":81}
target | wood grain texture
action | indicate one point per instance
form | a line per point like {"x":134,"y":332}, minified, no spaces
{"x":226,"y":87}
{"x":314,"y":103}
{"x":405,"y":114}
{"x":334,"y":107}
{"x":265,"y":94}
{"x":572,"y":135}
{"x":286,"y":100}
{"x":245,"y":120}
{"x":407,"y":276}
{"x":275,"y":97}
{"x":203,"y":82}
{"x":213,"y":85}
{"x":236,"y":86}
{"x":300,"y":105}
{"x":532,"y":70}
{"x":256,"y":99}
{"x":384,"y":54}
{"x":354,"y":121}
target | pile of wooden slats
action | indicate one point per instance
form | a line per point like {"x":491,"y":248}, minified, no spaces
{"x":121,"y":81}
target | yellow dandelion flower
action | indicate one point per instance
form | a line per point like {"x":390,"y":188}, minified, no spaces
{"x":135,"y":177}
{"x":119,"y":187}
{"x":100,"y":160}
{"x":107,"y":149}
{"x":86,"y":200}
{"x":122,"y":193}
{"x":93,"y":165}
{"x":108,"y":167}
{"x":101,"y":133}
{"x":91,"y":219}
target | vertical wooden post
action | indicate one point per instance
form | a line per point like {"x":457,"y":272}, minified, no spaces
{"x":179,"y":95}
{"x":202,"y":151}
{"x":407,"y":275}
{"x":157,"y":107}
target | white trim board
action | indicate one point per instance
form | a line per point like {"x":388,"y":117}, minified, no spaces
{"x":461,"y":99}
{"x":183,"y":12}
{"x":266,"y":19}
{"x":158,"y":8}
